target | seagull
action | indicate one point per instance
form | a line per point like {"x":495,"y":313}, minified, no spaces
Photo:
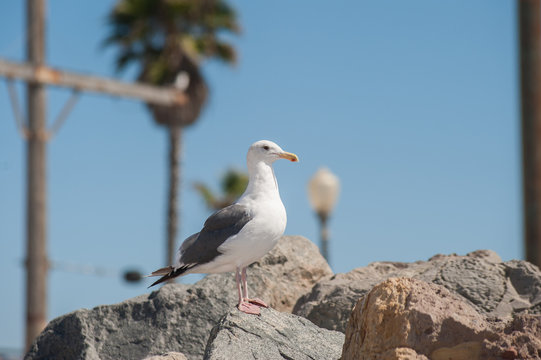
{"x":238,"y":235}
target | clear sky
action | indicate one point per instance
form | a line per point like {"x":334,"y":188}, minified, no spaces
{"x":413,"y":105}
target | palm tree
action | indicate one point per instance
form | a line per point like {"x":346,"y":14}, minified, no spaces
{"x":233,"y":184}
{"x":168,"y":39}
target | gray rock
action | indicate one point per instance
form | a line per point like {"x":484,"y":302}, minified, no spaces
{"x":273,"y":335}
{"x":525,"y":279}
{"x":136,"y":328}
{"x":179,"y":317}
{"x":493,"y":287}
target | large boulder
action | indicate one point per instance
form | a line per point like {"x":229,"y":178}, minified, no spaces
{"x":273,"y":335}
{"x":405,"y":318}
{"x":179,"y":317}
{"x":288,"y":272}
{"x":406,"y":313}
{"x":493,"y":287}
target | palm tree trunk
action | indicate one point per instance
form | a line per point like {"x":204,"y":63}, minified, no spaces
{"x":175,"y":133}
{"x":530,"y":75}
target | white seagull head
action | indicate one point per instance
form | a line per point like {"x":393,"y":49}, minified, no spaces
{"x":268,"y":152}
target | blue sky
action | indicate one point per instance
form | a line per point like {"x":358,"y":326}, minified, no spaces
{"x":413,"y":105}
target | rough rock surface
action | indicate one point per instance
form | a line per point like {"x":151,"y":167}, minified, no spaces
{"x":518,"y":338}
{"x":288,"y":272}
{"x":167,"y":356}
{"x":493,"y":287}
{"x":273,"y":335}
{"x":408,"y":313}
{"x":180,"y":317}
{"x":402,"y":354}
{"x":405,"y":318}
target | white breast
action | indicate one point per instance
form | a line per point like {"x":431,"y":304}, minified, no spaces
{"x":257,"y":237}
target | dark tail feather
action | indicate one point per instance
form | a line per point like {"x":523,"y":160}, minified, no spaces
{"x":173,"y":273}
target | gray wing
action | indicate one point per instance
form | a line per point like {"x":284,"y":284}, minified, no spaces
{"x":202,"y":247}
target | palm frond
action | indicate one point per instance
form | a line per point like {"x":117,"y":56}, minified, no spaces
{"x":206,"y":193}
{"x":194,"y":27}
{"x":234,"y":183}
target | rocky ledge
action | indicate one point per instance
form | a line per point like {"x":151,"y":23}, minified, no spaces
{"x":494,"y":288}
{"x":449,"y":307}
{"x":178,"y":317}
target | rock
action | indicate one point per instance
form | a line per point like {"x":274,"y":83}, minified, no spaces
{"x":404,"y":318}
{"x":330,"y":302}
{"x":136,"y":328}
{"x":408,"y":313}
{"x":288,"y":272}
{"x":493,"y":287}
{"x":464,"y":351}
{"x":272,"y":335}
{"x":180,"y":317}
{"x":402,"y":354}
{"x":519,"y":338}
{"x":167,"y":356}
{"x":525,"y":280}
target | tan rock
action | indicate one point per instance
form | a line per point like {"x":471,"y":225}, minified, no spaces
{"x":289,"y":271}
{"x":408,"y":313}
{"x":167,"y":356}
{"x":465,"y":351}
{"x":402,"y":354}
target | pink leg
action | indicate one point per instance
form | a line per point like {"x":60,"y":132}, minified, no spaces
{"x":243,"y":305}
{"x":239,"y":287}
{"x":254,"y":301}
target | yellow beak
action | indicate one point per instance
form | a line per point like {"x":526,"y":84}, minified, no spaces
{"x":288,"y":156}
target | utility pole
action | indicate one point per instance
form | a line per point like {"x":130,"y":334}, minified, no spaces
{"x":529,"y":13}
{"x":36,"y":202}
{"x":175,"y":132}
{"x":34,"y":129}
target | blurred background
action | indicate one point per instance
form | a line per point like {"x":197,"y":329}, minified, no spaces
{"x":414,"y":106}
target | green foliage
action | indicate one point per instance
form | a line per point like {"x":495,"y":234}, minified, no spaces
{"x":233,"y":185}
{"x":152,"y":32}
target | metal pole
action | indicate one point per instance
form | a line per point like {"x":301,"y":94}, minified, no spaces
{"x":323,"y":219}
{"x":529,"y":12}
{"x":36,"y":207}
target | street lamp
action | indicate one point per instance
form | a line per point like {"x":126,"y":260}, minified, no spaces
{"x":323,"y":189}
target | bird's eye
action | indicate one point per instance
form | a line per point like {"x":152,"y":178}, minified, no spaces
{"x":266,"y":147}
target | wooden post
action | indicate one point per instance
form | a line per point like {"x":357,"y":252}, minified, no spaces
{"x":529,"y":12}
{"x":36,"y":202}
{"x":37,"y":75}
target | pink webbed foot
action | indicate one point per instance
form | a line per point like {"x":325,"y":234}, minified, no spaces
{"x":248,"y":308}
{"x":257,"y":302}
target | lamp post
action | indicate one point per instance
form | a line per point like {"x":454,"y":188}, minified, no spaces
{"x":323,"y":189}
